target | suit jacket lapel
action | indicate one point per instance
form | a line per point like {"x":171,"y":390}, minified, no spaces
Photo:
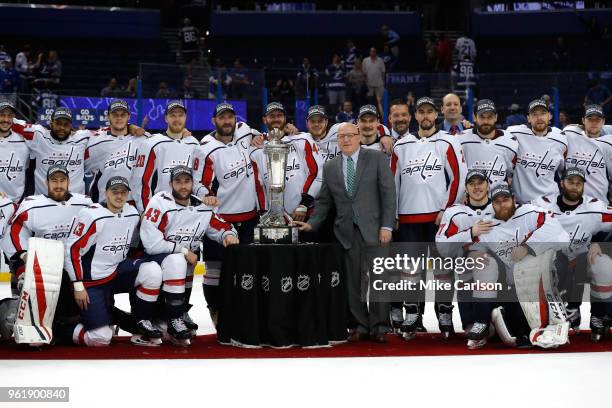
{"x":361,"y":163}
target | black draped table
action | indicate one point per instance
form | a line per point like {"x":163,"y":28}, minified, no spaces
{"x":282,"y":296}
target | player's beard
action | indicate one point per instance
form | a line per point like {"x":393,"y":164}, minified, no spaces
{"x":504,"y":214}
{"x":401,"y":126}
{"x":572,"y":195}
{"x":176,"y":129}
{"x":277,"y":124}
{"x":485,"y":129}
{"x":181,"y":195}
{"x":226,"y":130}
{"x":426,"y":125}
{"x":540,"y":127}
{"x":58,"y":194}
{"x":58,"y":137}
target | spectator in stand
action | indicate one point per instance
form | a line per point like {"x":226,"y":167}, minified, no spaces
{"x":453,"y":121}
{"x":307,"y":77}
{"x":9,"y":78}
{"x":598,"y":94}
{"x":131,"y":89}
{"x":188,"y":91}
{"x":430,"y":53}
{"x":356,"y":84}
{"x":190,"y":43}
{"x":336,"y":85}
{"x":4,"y":56}
{"x":23,"y":65}
{"x":219,"y":77}
{"x":284,"y":92}
{"x":374,"y":69}
{"x":240,"y":80}
{"x":515,"y":118}
{"x":392,"y":39}
{"x":350,"y":55}
{"x":112,"y":90}
{"x":389,"y":59}
{"x":443,"y":54}
{"x":164,"y":92}
{"x":465,"y":49}
{"x":49,"y":70}
{"x":560,"y":55}
{"x":346,"y":114}
{"x":564,"y":119}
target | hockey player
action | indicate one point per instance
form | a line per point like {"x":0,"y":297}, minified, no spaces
{"x":487,"y":148}
{"x":518,"y":231}
{"x":460,"y":224}
{"x":14,"y":156}
{"x":430,"y":164}
{"x":49,"y":216}
{"x":372,"y":131}
{"x":591,"y":150}
{"x":160,"y":153}
{"x":223,"y":171}
{"x":583,"y":217}
{"x":303,"y":170}
{"x":96,"y":263}
{"x":112,"y":152}
{"x":173,"y":227}
{"x":540,"y":157}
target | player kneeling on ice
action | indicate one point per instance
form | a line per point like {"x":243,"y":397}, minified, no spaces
{"x":173,"y":227}
{"x":96,"y":253}
{"x":583,"y":217}
{"x":524,"y":240}
{"x":460,"y":224}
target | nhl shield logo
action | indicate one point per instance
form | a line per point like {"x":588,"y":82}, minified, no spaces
{"x":303,"y":282}
{"x":286,"y":284}
{"x":247,"y":282}
{"x":265,"y":283}
{"x":335,"y":279}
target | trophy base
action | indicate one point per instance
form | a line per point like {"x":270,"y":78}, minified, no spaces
{"x":276,"y":235}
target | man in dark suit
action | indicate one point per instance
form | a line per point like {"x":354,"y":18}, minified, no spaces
{"x":359,"y":184}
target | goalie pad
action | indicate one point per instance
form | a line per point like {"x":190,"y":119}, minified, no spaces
{"x":41,"y":287}
{"x":498,"y":321}
{"x":541,"y":303}
{"x":601,"y":278}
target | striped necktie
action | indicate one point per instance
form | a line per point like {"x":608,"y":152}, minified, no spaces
{"x":350,"y":176}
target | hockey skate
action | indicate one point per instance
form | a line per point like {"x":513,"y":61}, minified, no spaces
{"x":477,"y":336}
{"x":179,"y":333}
{"x":191,"y":325}
{"x":445,"y":320}
{"x":573,"y":317}
{"x":598,"y":329}
{"x":146,"y":334}
{"x":397,"y":318}
{"x":412,"y":321}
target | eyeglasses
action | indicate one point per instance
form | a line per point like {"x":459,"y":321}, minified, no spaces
{"x":348,"y":136}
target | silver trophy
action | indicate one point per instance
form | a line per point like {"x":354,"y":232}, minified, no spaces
{"x":275,"y":225}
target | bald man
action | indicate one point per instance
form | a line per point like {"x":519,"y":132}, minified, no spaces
{"x":359,"y":184}
{"x":454,"y":122}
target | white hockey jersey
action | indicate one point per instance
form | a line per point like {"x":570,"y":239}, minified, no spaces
{"x":7,"y":209}
{"x":303,"y":172}
{"x":158,"y":155}
{"x":99,"y":241}
{"x":530,"y":225}
{"x":107,"y":156}
{"x":594,"y":156}
{"x":590,"y":217}
{"x":40,"y":216}
{"x":167,"y":226}
{"x":429,"y":176}
{"x":456,"y":227}
{"x":496,"y":157}
{"x":226,"y":171}
{"x":14,"y":161}
{"x":540,"y":162}
{"x":48,"y":151}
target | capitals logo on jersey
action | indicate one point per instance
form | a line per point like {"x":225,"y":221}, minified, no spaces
{"x":423,"y":167}
{"x":494,"y":169}
{"x":122,"y":157}
{"x":186,"y":235}
{"x":66,"y":159}
{"x":173,"y":163}
{"x":238,"y":168}
{"x":592,"y":161}
{"x":10,"y":165}
{"x":60,"y":232}
{"x":542,"y":164}
{"x":118,"y":244}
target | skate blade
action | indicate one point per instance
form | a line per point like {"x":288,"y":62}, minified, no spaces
{"x":180,"y":342}
{"x":140,"y":340}
{"x":409,"y":335}
{"x":476,"y":344}
{"x":447,"y":334}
